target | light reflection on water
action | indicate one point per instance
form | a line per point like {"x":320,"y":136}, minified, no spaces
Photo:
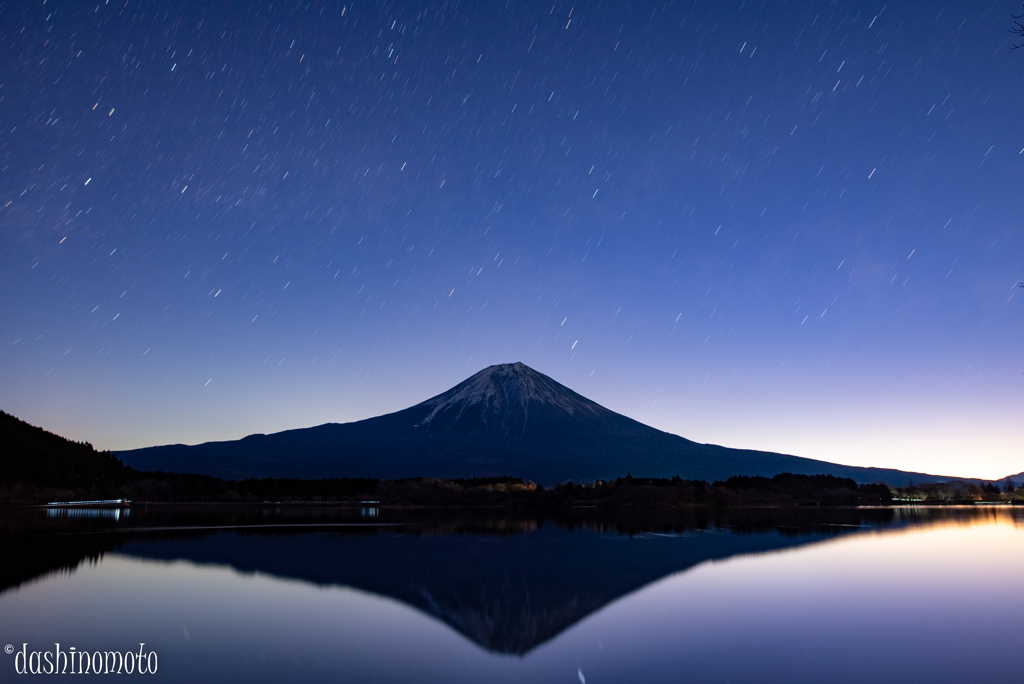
{"x":71,"y":512}
{"x":923,"y":596}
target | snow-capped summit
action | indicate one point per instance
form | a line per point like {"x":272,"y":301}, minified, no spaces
{"x":504,"y":400}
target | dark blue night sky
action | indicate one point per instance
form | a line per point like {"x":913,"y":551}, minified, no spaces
{"x":792,"y":226}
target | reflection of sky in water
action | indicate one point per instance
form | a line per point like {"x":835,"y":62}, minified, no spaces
{"x":931,"y":604}
{"x":937,"y":603}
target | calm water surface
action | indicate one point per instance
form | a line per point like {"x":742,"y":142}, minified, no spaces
{"x":365,"y":595}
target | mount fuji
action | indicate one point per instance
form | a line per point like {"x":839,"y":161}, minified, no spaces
{"x":507,"y":419}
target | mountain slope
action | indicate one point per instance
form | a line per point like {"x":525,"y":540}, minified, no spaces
{"x":505,"y":420}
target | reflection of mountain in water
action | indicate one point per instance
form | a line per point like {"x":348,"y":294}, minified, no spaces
{"x":507,"y":594}
{"x":507,"y":584}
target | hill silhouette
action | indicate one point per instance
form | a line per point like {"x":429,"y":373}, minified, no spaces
{"x":33,"y":456}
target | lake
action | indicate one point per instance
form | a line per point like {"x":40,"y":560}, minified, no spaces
{"x":317,"y":593}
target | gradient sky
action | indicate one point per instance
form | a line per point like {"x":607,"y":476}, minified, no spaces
{"x":791,"y":226}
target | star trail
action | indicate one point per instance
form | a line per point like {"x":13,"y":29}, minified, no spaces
{"x":790,"y":226}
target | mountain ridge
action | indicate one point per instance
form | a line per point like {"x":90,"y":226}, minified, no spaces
{"x":507,"y":419}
